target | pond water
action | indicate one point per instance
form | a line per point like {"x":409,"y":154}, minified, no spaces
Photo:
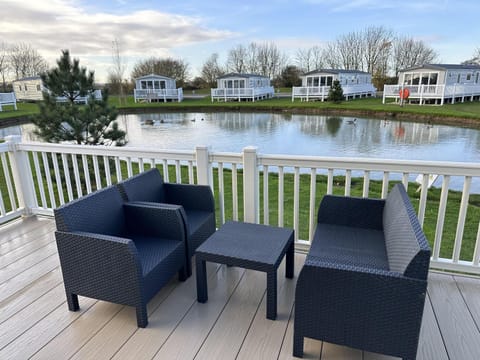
{"x":298,"y":135}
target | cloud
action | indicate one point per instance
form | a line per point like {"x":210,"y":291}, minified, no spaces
{"x":51,"y":25}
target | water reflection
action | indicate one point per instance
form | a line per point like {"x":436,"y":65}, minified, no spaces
{"x":296,"y":135}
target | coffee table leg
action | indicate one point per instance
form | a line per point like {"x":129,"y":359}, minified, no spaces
{"x":289,"y":263}
{"x":272,"y":295}
{"x":202,"y":292}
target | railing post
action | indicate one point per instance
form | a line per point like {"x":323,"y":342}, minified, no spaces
{"x":250,"y":185}
{"x":204,"y":168}
{"x":22,"y":175}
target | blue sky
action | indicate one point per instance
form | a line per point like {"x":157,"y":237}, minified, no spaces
{"x":193,"y":30}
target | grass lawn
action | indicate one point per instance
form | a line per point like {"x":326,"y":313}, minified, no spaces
{"x":451,"y":217}
{"x":23,"y":109}
{"x":369,"y":106}
{"x":467,"y":113}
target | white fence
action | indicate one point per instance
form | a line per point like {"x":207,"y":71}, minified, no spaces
{"x":239,"y":94}
{"x":8,"y":99}
{"x":97,"y":95}
{"x":158,"y":94}
{"x":453,"y":93}
{"x":306,"y":93}
{"x":277,"y":189}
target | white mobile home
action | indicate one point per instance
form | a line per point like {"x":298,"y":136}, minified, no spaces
{"x":156,"y":88}
{"x":436,"y":84}
{"x":240,"y":87}
{"x":317,"y":83}
{"x":28,"y":88}
{"x":31,"y":89}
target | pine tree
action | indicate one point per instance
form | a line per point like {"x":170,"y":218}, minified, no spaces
{"x":335,"y":93}
{"x":90,"y":124}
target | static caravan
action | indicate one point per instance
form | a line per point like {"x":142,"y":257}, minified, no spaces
{"x":31,"y":89}
{"x":316,"y":84}
{"x":436,"y":84}
{"x":240,"y":87}
{"x":156,"y":88}
{"x":28,"y":88}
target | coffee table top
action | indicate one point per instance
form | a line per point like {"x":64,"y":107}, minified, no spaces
{"x":253,"y":242}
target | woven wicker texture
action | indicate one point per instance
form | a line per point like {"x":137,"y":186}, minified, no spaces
{"x":348,"y":293}
{"x":197,"y":202}
{"x":250,"y":246}
{"x":125,"y":261}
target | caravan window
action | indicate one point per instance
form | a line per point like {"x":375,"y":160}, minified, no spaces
{"x":38,"y":87}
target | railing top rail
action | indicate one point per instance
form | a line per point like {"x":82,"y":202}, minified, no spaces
{"x":392,"y":165}
{"x":4,"y":147}
{"x":107,"y":150}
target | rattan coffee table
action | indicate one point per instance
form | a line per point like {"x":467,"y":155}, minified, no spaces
{"x":250,"y":246}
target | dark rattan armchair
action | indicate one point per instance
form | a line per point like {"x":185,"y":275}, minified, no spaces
{"x":364,"y":280}
{"x":117,"y":252}
{"x":198,"y":206}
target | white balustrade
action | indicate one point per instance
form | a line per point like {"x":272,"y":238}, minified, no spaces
{"x":37,"y":177}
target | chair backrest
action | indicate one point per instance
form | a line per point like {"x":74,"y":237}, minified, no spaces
{"x":146,"y":186}
{"x":407,"y":248}
{"x":100,"y":212}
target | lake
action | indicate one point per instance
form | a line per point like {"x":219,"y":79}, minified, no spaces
{"x":298,"y":135}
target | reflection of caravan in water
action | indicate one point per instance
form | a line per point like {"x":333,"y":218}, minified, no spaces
{"x":414,"y":133}
{"x":244,"y":121}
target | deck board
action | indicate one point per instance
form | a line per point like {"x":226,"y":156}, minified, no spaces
{"x":191,"y":333}
{"x":458,"y":329}
{"x":228,"y":333}
{"x":35,"y":322}
{"x":265,"y":337}
{"x":145,"y":343}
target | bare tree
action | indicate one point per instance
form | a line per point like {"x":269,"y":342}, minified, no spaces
{"x":211,"y":70}
{"x":236,"y":61}
{"x":475,"y":60}
{"x":117,"y":72}
{"x":310,"y":59}
{"x":331,"y":56}
{"x":26,"y":61}
{"x":4,"y":64}
{"x":352,"y":51}
{"x":174,"y":68}
{"x":270,"y":60}
{"x":377,"y":42}
{"x":263,"y":59}
{"x":408,"y":52}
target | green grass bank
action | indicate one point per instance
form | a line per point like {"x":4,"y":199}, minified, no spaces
{"x":461,"y":114}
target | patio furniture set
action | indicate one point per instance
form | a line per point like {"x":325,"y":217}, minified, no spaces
{"x":363,"y":283}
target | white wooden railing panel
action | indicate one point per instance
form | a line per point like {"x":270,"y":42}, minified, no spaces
{"x":45,"y":157}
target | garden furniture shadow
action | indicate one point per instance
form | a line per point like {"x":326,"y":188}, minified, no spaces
{"x":118,"y":252}
{"x":364,"y":281}
{"x":197,"y":202}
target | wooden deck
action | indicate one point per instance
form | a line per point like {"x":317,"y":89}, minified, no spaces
{"x":35,"y":322}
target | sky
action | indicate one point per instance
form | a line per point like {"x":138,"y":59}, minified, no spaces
{"x":193,"y":30}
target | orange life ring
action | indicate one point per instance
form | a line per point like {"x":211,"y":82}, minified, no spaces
{"x":404,"y":93}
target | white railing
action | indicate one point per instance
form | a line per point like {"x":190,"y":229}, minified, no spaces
{"x":8,"y":99}
{"x":158,"y":94}
{"x":242,"y":93}
{"x":424,"y":92}
{"x":97,"y":95}
{"x":306,"y":93}
{"x":310,"y":92}
{"x":277,"y":189}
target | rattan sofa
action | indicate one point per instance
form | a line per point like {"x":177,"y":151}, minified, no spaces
{"x":118,"y":252}
{"x":364,"y":281}
{"x":197,"y":202}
